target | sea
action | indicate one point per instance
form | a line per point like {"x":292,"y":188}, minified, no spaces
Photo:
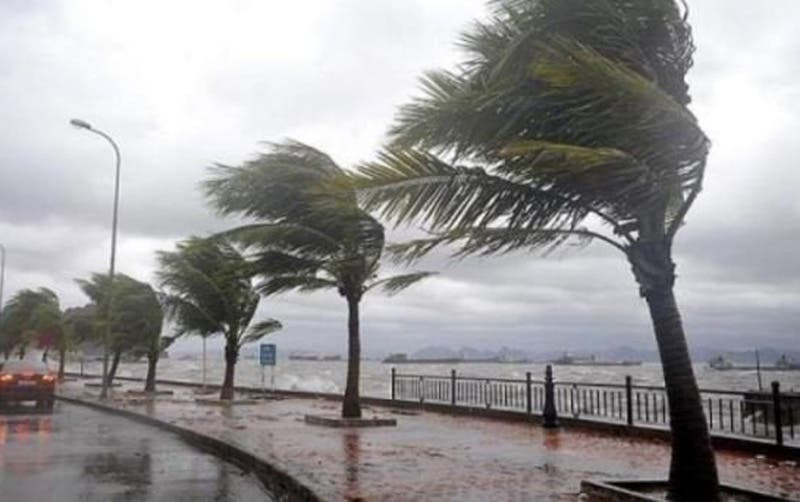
{"x":329,"y":376}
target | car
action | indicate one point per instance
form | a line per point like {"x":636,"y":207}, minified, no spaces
{"x":27,"y":381}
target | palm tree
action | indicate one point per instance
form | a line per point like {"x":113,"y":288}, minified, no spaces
{"x":33,"y":316}
{"x":567,"y":121}
{"x":209,"y":290}
{"x":142,"y":315}
{"x":136,"y":315}
{"x":307,"y":237}
{"x":79,"y":326}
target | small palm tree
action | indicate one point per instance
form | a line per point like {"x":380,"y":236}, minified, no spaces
{"x":142,"y":314}
{"x":209,"y":290}
{"x":308,"y":237}
{"x":136,"y":315}
{"x":79,"y":327}
{"x":33,"y":316}
{"x":568,"y":121}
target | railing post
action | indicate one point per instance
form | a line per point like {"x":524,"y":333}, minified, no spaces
{"x":549,"y":415}
{"x":629,"y":396}
{"x":528,"y":400}
{"x":776,"y":410}
{"x":453,"y":387}
{"x":394,"y":379}
{"x":421,"y":389}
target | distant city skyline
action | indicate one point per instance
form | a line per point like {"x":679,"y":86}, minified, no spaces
{"x":332,"y":74}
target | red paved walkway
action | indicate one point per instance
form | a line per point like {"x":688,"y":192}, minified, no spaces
{"x":431,"y":456}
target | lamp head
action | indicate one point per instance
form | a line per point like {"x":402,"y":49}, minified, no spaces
{"x":80,"y":124}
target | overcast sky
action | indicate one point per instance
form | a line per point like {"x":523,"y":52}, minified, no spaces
{"x":183,"y":84}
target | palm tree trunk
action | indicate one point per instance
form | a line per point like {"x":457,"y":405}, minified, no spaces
{"x":204,"y":363}
{"x":62,"y":356}
{"x":231,"y":355}
{"x":113,"y":370}
{"x":351,"y":407}
{"x":693,"y":471}
{"x":150,"y":381}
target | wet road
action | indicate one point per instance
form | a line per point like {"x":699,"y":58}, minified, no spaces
{"x":78,"y":454}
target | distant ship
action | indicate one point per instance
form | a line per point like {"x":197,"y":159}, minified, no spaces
{"x":784,"y":363}
{"x":720,"y":363}
{"x":567,"y":360}
{"x":304,"y":356}
{"x":404,"y":359}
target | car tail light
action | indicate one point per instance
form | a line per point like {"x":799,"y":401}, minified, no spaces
{"x":48,"y":378}
{"x":6,"y":377}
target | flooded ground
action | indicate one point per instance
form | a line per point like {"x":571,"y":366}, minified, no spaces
{"x":77,"y":454}
{"x":434,"y":456}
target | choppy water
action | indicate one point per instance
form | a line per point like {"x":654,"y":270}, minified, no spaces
{"x":329,"y":376}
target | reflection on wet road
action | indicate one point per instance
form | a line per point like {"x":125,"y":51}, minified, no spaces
{"x":77,"y":454}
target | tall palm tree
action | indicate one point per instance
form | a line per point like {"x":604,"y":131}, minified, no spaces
{"x":568,"y":120}
{"x":136,"y":315}
{"x":209,"y":290}
{"x":307,"y":237}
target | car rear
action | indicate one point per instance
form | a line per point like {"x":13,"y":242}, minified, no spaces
{"x":22,"y":381}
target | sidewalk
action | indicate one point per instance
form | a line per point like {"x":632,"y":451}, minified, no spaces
{"x":432,"y":456}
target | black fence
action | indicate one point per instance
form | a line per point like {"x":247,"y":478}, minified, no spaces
{"x":756,"y":414}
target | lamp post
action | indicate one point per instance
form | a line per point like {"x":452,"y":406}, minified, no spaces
{"x":2,"y":276}
{"x":81,"y":124}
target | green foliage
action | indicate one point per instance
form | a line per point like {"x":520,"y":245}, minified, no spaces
{"x":308,"y":235}
{"x":564,"y":113}
{"x":136,"y":314}
{"x":209,"y":290}
{"x":31,"y":316}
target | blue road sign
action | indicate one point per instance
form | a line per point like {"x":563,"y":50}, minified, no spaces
{"x":266,"y":354}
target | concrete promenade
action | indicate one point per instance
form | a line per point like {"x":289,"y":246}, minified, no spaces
{"x":433,"y":456}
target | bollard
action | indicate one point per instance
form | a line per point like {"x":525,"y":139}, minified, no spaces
{"x":550,"y":415}
{"x":452,"y":387}
{"x":394,"y":375}
{"x":629,"y":396}
{"x":776,"y":410}
{"x":528,"y":400}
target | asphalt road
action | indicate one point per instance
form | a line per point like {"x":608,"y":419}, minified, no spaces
{"x":78,"y":454}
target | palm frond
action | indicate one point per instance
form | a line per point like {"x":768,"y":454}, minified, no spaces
{"x":261,"y":329}
{"x":395,"y":284}
{"x":304,"y":283}
{"x":408,"y":185}
{"x":488,"y":241}
{"x":276,"y":185}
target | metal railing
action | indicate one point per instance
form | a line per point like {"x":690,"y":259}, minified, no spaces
{"x":754,"y":414}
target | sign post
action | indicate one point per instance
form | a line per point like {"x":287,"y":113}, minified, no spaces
{"x":266,"y":355}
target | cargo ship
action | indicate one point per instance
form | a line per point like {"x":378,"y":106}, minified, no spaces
{"x":567,"y":360}
{"x":404,"y":359}
{"x":783,"y":363}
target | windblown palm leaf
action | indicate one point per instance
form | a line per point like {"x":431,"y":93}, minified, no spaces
{"x":568,"y":121}
{"x":308,"y":236}
{"x":209,"y":290}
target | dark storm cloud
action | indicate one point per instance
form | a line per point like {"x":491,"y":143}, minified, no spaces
{"x":180,"y":92}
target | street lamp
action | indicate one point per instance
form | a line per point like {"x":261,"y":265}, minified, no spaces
{"x":2,"y":275}
{"x":82,"y":124}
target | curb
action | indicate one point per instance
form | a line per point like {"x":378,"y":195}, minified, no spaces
{"x":274,"y":480}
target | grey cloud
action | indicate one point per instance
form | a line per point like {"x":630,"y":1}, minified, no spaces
{"x":181,"y":92}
